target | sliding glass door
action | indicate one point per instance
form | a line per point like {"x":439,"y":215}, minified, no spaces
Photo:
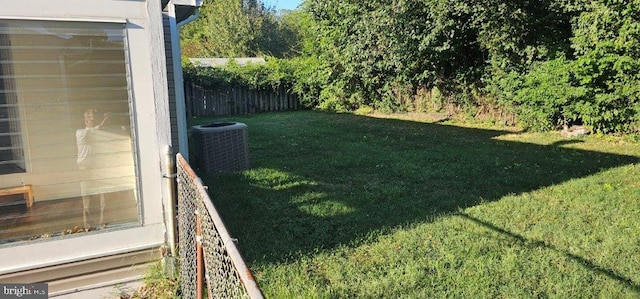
{"x":67,"y":154}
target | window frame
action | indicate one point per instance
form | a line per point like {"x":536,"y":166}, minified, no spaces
{"x":12,"y":118}
{"x":150,"y":116}
{"x":16,"y":178}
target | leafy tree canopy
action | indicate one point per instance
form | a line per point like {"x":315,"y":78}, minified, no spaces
{"x":240,"y":28}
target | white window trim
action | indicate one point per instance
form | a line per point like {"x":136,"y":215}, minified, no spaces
{"x":39,"y":255}
{"x":100,"y":20}
{"x":149,"y":83}
{"x":150,"y":232}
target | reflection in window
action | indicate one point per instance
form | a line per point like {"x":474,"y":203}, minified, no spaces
{"x":11,"y":151}
{"x":65,"y":129}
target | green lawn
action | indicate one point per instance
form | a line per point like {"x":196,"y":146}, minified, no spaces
{"x":340,"y":206}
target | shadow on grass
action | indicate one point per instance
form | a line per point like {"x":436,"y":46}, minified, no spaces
{"x":325,"y":180}
{"x":581,"y":260}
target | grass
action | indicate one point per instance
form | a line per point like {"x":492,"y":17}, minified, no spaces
{"x":339,"y":206}
{"x":158,"y":284}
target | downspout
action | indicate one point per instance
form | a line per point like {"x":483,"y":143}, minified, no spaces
{"x":169,"y":171}
{"x":181,"y":115}
{"x":190,"y":19}
{"x":169,"y":176}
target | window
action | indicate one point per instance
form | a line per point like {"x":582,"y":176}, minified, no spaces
{"x":11,"y":153}
{"x":65,"y":129}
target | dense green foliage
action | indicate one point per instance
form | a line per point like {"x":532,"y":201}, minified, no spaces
{"x":234,"y":28}
{"x":386,"y":51}
{"x":257,"y":76}
{"x":596,"y":84}
{"x":239,"y":28}
{"x":297,"y":75}
{"x":550,"y":62}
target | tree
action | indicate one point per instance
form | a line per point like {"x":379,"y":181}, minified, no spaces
{"x":222,"y":30}
{"x":607,"y":45}
{"x":596,"y":85}
{"x":237,"y":28}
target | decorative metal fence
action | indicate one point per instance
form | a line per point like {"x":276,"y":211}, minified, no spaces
{"x":206,"y":250}
{"x":238,"y":99}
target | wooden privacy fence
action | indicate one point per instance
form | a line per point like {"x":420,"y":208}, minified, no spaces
{"x":236,"y":100}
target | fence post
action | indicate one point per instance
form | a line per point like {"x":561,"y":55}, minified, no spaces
{"x":197,"y":101}
{"x":187,"y":99}
{"x":285,"y":98}
{"x":271,"y":101}
{"x":169,"y":176}
{"x":199,"y":259}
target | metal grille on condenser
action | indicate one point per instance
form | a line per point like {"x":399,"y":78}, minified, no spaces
{"x":221,"y":147}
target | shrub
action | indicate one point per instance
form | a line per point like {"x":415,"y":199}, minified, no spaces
{"x":548,"y":96}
